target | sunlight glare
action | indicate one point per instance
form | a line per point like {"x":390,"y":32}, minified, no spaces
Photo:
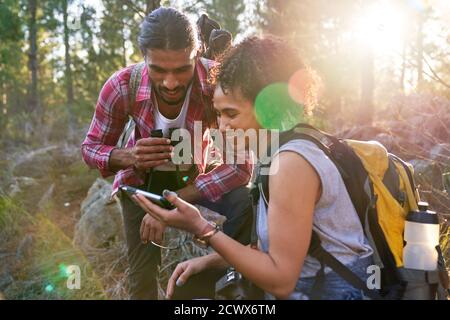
{"x":381,"y":27}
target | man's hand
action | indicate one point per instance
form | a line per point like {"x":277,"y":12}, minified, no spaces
{"x":147,"y":153}
{"x":151,"y":152}
{"x":152,"y":230}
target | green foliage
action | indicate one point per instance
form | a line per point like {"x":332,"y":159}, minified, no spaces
{"x":10,"y":28}
{"x":104,"y":43}
{"x":12,"y":216}
{"x":44,"y":274}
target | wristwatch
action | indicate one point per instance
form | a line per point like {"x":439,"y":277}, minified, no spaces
{"x":203,"y":240}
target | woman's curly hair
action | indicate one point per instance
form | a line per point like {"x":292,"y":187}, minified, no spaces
{"x":257,"y":62}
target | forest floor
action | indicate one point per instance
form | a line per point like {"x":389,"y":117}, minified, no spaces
{"x":36,"y":248}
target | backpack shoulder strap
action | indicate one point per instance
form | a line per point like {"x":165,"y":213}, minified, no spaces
{"x":305,"y":132}
{"x":133,"y":86}
{"x":325,"y":258}
{"x":260,"y":185}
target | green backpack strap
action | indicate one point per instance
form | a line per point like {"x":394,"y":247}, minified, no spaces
{"x":135,"y":81}
{"x":327,"y":259}
{"x":133,"y":86}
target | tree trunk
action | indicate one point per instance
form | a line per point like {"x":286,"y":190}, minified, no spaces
{"x":33,"y":102}
{"x":152,"y":5}
{"x":367,"y":87}
{"x":403,"y":72}
{"x":420,"y":52}
{"x":69,"y":80}
{"x":124,"y":47}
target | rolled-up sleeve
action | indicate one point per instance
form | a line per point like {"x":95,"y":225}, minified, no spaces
{"x":106,"y":127}
{"x":222,"y":178}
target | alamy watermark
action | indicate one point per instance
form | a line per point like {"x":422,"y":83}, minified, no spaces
{"x":374,"y":280}
{"x":73,"y":277}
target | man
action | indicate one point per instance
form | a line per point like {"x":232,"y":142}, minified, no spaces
{"x":173,"y":93}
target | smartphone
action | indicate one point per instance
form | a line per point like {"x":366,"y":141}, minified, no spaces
{"x":156,"y":199}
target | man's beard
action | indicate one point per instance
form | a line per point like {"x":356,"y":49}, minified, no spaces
{"x":160,"y":93}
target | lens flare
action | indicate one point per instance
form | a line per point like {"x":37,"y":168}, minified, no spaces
{"x":381,"y":26}
{"x":298,"y":86}
{"x":49,"y":288}
{"x":276,"y":109}
{"x":63,"y":272}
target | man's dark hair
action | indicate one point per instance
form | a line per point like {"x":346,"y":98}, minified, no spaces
{"x":168,"y":29}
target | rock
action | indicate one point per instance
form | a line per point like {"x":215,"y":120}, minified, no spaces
{"x":26,"y":182}
{"x":39,"y":163}
{"x":20,"y":184}
{"x":100,"y":223}
{"x":35,"y":163}
{"x":98,"y":193}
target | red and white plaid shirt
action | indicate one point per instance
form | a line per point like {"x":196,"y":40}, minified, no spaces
{"x":111,"y":116}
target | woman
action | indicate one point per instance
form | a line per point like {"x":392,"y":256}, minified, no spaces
{"x":306,"y":192}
